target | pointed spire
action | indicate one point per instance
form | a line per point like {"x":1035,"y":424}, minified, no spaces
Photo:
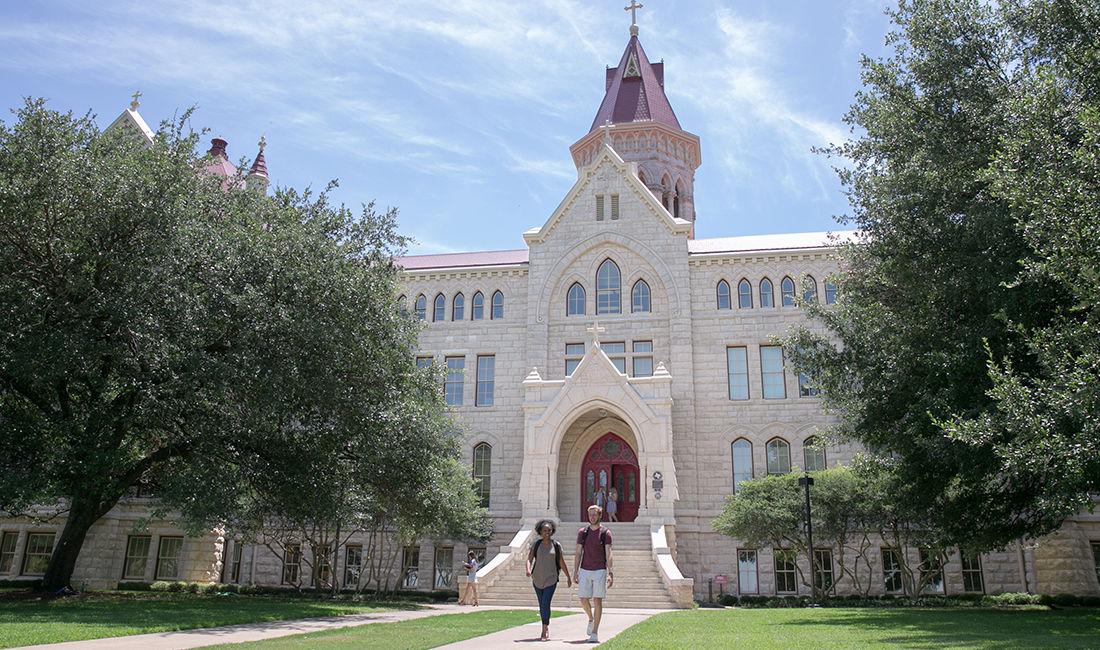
{"x":257,"y":176}
{"x":635,"y":91}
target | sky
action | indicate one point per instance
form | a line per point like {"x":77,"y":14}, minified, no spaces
{"x":460,"y":113}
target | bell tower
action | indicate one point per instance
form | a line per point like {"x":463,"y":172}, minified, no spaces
{"x":637,"y":119}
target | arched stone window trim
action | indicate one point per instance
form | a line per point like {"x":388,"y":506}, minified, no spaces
{"x":482,"y":471}
{"x":575,"y":300}
{"x":497,"y":311}
{"x":421,"y":307}
{"x":722,"y":295}
{"x":608,"y":288}
{"x":403,"y":304}
{"x":813,"y":457}
{"x":477,"y":306}
{"x":767,"y":293}
{"x":778,"y":454}
{"x":787,"y":289}
{"x":439,"y":308}
{"x":809,"y":289}
{"x":640,"y":298}
{"x":740,"y":456}
{"x":744,"y":294}
{"x":458,"y":307}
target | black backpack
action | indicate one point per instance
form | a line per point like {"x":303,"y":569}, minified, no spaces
{"x":584,"y":535}
{"x":557,"y":550}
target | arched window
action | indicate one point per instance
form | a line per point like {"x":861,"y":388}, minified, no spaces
{"x":483,"y":472}
{"x":439,"y":308}
{"x":779,"y":456}
{"x":744,"y":294}
{"x":421,"y":307}
{"x":575,"y":301}
{"x":830,"y":293}
{"x":741,"y":452}
{"x":767,"y":298}
{"x":723,"y":295}
{"x":813,"y":454}
{"x":402,"y":305}
{"x":788,"y":292}
{"x":608,"y":288}
{"x":639,"y":298}
{"x":498,"y":306}
{"x":809,"y":289}
{"x":458,"y":307}
{"x":477,"y":306}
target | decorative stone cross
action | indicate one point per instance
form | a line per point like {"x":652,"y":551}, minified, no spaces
{"x":134,"y":100}
{"x":595,"y":331}
{"x":262,"y":142}
{"x":606,"y":132}
{"x":633,"y":9}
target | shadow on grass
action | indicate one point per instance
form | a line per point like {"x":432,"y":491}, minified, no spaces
{"x":991,"y":629}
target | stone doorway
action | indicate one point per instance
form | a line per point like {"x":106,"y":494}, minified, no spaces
{"x":610,"y":466}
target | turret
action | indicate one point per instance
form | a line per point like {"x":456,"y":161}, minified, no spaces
{"x":637,"y":118}
{"x":257,"y":178}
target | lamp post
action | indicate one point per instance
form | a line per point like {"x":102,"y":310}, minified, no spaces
{"x":806,"y":481}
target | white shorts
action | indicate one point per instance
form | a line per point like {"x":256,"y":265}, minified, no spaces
{"x":592,"y":584}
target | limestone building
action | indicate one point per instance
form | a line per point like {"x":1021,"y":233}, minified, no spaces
{"x":615,"y":350}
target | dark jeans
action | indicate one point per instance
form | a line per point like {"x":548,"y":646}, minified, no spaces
{"x":545,"y":596}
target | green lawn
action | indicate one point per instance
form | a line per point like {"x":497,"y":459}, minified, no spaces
{"x":428,"y":632}
{"x":866,"y":628}
{"x":104,"y":614}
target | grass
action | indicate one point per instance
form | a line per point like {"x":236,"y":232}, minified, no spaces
{"x":104,"y":614}
{"x":1032,"y":627}
{"x":428,"y":632}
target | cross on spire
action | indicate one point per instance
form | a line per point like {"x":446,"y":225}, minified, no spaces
{"x":633,"y":8}
{"x":134,"y":103}
{"x":595,"y":329}
{"x":262,"y":143}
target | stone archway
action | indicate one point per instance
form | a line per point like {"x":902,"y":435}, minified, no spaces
{"x":609,"y":478}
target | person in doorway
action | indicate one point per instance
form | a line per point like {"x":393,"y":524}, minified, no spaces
{"x":544,"y":564}
{"x":601,"y":498}
{"x":612,"y":505}
{"x":472,"y":566}
{"x":592,"y":566}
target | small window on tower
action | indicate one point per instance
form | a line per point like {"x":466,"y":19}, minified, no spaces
{"x":599,"y":207}
{"x":614,"y":207}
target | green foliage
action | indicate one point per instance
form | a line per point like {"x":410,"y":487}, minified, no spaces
{"x":963,"y":350}
{"x":244,"y":352}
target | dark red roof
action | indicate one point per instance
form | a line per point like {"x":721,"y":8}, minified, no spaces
{"x":259,"y":166}
{"x":637,"y":97}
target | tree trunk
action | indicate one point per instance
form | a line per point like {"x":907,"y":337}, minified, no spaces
{"x":83,"y":512}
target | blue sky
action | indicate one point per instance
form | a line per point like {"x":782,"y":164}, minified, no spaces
{"x":461,"y":112}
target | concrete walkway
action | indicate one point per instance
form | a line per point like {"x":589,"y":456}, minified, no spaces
{"x":248,"y":631}
{"x":565,"y":631}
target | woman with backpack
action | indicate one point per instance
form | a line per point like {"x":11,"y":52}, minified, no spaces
{"x":544,"y":562}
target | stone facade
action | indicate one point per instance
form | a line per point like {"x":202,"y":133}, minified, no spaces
{"x":668,"y":399}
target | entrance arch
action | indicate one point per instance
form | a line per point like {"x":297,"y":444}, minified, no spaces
{"x":610,"y":463}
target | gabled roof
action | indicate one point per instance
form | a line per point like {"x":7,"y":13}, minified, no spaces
{"x":462,"y":260}
{"x":131,"y":121}
{"x":635,"y":91}
{"x":785,"y":241}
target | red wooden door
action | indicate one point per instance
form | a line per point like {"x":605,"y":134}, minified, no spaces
{"x":610,"y":463}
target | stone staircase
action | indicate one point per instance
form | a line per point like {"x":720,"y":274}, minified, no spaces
{"x":638,"y":582}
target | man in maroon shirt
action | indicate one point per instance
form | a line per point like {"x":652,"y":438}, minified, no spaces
{"x":592,"y":567}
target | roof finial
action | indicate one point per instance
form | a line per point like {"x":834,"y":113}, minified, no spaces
{"x":262,"y":143}
{"x":607,"y":132}
{"x":633,"y":9}
{"x":595,"y":330}
{"x":134,"y":103}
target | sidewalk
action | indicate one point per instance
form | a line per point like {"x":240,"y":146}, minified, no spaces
{"x":248,"y":631}
{"x":565,"y":631}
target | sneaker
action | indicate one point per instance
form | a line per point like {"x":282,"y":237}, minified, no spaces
{"x":588,"y":631}
{"x":592,"y":638}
